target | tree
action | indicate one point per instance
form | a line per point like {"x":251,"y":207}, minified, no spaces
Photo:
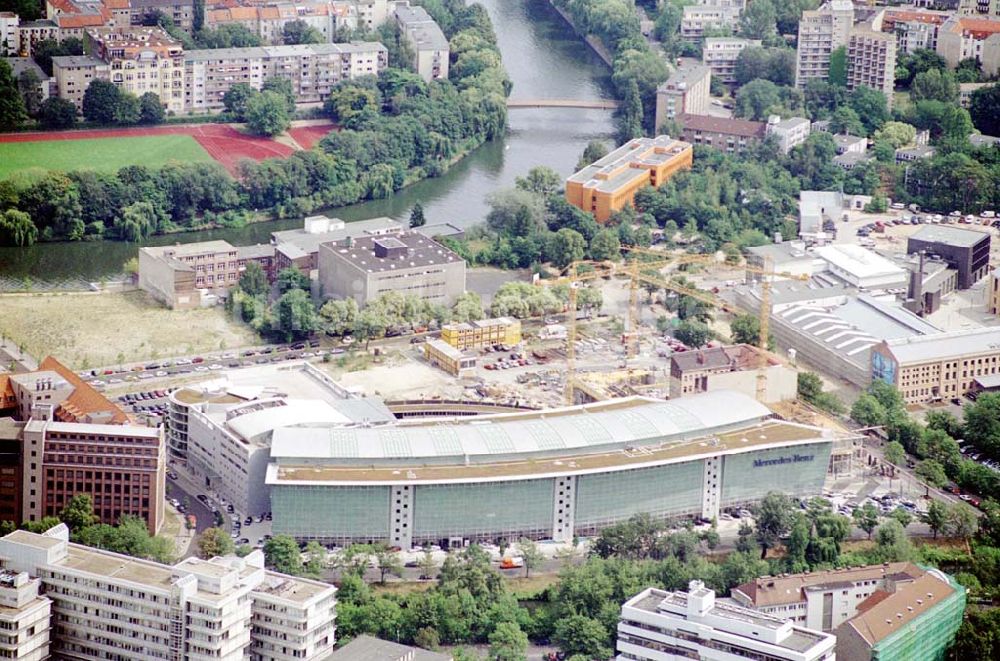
{"x":300,"y":32}
{"x":845,"y":120}
{"x":902,"y":515}
{"x":892,"y":543}
{"x":369,"y":325}
{"x":427,"y":564}
{"x":866,"y":518}
{"x":773,"y":516}
{"x":295,"y":315}
{"x":934,"y":85}
{"x":150,"y":109}
{"x":932,"y":472}
{"x":253,"y":280}
{"x":962,"y":521}
{"x":838,"y":67}
{"x":605,"y":245}
{"x":809,"y":385}
{"x":895,"y":454}
{"x":388,"y":562}
{"x":127,"y":109}
{"x":339,"y":315}
{"x":693,"y":333}
{"x":595,"y":150}
{"x":417,"y":216}
{"x":214,"y":542}
{"x":745,"y":329}
{"x":56,"y":113}
{"x":468,"y":307}
{"x":508,"y":643}
{"x":12,"y":111}
{"x":757,"y":100}
{"x":100,"y":101}
{"x":565,"y":247}
{"x":29,"y":85}
{"x":282,"y":87}
{"x":759,"y":20}
{"x":17,"y":229}
{"x":291,"y":278}
{"x":898,"y":134}
{"x":236,"y":98}
{"x":540,"y":180}
{"x":871,"y":106}
{"x":514,"y":212}
{"x":868,"y":411}
{"x":630,"y":113}
{"x":267,"y":114}
{"x":982,"y":423}
{"x":744,"y":539}
{"x":978,"y":637}
{"x":579,"y":634}
{"x":937,"y":517}
{"x":984,"y":109}
{"x":282,"y":554}
{"x":530,"y":554}
{"x":78,"y":513}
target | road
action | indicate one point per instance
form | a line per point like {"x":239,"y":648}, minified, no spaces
{"x":186,"y":492}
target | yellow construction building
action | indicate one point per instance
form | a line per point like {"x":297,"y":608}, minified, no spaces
{"x":608,"y":184}
{"x":482,"y":333}
{"x":451,"y":360}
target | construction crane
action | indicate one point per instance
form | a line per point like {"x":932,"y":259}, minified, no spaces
{"x":574,"y":279}
{"x":636,"y":271}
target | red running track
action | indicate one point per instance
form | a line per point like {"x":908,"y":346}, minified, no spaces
{"x":308,"y":137}
{"x":222,"y":142}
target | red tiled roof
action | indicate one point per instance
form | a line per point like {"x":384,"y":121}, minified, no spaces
{"x":707,"y":123}
{"x":980,"y":28}
{"x":874,"y":598}
{"x":904,"y":15}
{"x":7,"y":399}
{"x":84,"y":400}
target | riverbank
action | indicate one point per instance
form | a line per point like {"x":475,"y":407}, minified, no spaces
{"x":594,"y":42}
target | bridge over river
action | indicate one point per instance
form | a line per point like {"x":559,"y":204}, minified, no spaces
{"x":600,"y":104}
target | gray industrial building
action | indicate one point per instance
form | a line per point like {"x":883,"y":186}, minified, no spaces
{"x":409,"y":263}
{"x":965,"y":250}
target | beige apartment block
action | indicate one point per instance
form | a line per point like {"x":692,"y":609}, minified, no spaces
{"x":73,"y":74}
{"x":719,"y":54}
{"x":685,"y":92}
{"x":142,"y":60}
{"x":871,"y":61}
{"x":430,"y":46}
{"x":820,"y":33}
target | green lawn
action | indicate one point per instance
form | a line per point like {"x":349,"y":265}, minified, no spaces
{"x":100,"y":153}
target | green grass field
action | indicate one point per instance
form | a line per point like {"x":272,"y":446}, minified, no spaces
{"x":108,"y":154}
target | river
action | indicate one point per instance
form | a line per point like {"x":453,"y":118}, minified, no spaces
{"x":544,"y":59}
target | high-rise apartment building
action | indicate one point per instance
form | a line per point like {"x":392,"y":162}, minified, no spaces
{"x":820,"y":33}
{"x":719,"y":54}
{"x":430,"y":46}
{"x":111,"y":606}
{"x":871,"y":61}
{"x":24,"y":618}
{"x":685,"y":92}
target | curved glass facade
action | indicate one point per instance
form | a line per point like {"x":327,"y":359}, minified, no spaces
{"x":483,"y":510}
{"x":797,"y":471}
{"x":661,"y":491}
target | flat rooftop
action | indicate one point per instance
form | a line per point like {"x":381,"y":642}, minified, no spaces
{"x":309,"y":242}
{"x":291,"y":588}
{"x":949,"y":235}
{"x":858,"y":261}
{"x":601,"y":173}
{"x":777,"y":590}
{"x":944,"y":346}
{"x":418,"y":251}
{"x":756,"y":437}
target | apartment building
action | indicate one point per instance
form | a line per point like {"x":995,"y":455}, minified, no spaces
{"x":9,"y":34}
{"x":871,"y":61}
{"x":992,"y":298}
{"x":685,"y":92}
{"x":789,"y":133}
{"x":408,"y":262}
{"x":482,"y":333}
{"x":963,"y":37}
{"x":268,"y":20}
{"x":939,"y":366}
{"x":29,"y":33}
{"x":719,"y":54}
{"x":73,"y":74}
{"x":430,"y":46}
{"x":375,"y":649}
{"x":728,"y":135}
{"x":697,"y":18}
{"x":965,"y":250}
{"x":313,"y":70}
{"x":821,"y":32}
{"x":107,"y":605}
{"x":142,"y":60}
{"x":914,"y":29}
{"x":24,"y":618}
{"x":181,"y":12}
{"x":610,"y":183}
{"x":657,"y":625}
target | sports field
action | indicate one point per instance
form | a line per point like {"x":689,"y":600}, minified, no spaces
{"x":100,"y":153}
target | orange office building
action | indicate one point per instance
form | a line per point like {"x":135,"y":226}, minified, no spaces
{"x":608,"y":184}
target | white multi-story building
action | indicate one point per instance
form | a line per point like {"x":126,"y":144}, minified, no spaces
{"x":697,"y":18}
{"x":107,"y":605}
{"x":720,"y":54}
{"x":24,"y":618}
{"x":871,"y":61}
{"x":820,"y":33}
{"x":9,"y":41}
{"x":658,"y":626}
{"x":789,"y":132}
{"x":430,"y":46}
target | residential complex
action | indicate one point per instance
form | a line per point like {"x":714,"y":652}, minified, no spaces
{"x":965,"y":250}
{"x":914,"y":29}
{"x":9,"y":39}
{"x":735,"y":367}
{"x":138,"y":60}
{"x":657,"y":625}
{"x":871,"y":61}
{"x":24,"y":617}
{"x":64,"y":439}
{"x":429,"y":45}
{"x":719,"y":54}
{"x":821,"y":32}
{"x":728,"y":135}
{"x":268,"y":20}
{"x":610,"y":183}
{"x":697,"y":18}
{"x":407,"y":262}
{"x":685,"y":92}
{"x":789,"y":133}
{"x":227,"y":608}
{"x":546,"y":475}
{"x":963,"y":37}
{"x":938,"y":366}
{"x":482,"y":333}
